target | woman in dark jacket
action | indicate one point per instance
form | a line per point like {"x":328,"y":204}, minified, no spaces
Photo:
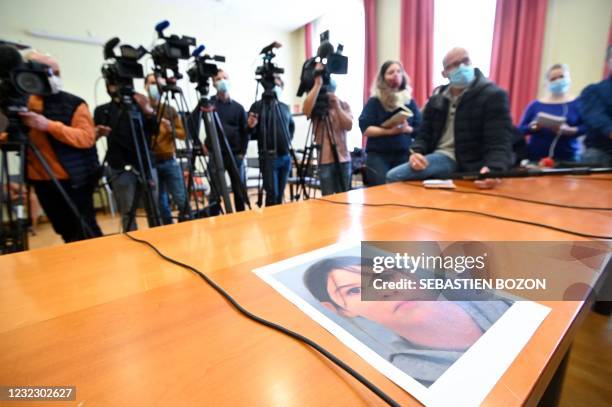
{"x":387,"y":147}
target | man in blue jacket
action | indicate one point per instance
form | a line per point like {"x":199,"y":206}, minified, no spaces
{"x":596,"y":110}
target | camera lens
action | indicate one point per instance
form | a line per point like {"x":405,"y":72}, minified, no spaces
{"x":30,"y":82}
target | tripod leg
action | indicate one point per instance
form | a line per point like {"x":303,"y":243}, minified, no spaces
{"x":176,"y":186}
{"x":264,"y":172}
{"x":233,"y":168}
{"x":14,"y":233}
{"x":309,"y":156}
{"x":219,"y":167}
{"x":145,"y":168}
{"x":338,"y":179}
{"x":86,"y":230}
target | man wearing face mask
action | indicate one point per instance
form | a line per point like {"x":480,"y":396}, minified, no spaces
{"x":554,"y":141}
{"x":273,"y":147}
{"x":62,"y":129}
{"x":234,"y":121}
{"x":466,"y":127}
{"x":596,"y":109}
{"x":169,"y":171}
{"x":114,"y":124}
{"x":340,"y":122}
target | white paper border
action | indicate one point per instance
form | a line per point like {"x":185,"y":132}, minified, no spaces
{"x":467,"y":381}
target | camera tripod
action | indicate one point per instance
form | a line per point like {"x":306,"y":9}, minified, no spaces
{"x":206,"y":113}
{"x":14,"y":232}
{"x":169,"y":93}
{"x":320,"y":124}
{"x":145,"y":172}
{"x":270,"y":116}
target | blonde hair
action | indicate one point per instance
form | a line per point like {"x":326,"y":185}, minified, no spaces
{"x":390,"y":98}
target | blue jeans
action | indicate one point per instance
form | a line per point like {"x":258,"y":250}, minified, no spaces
{"x":595,"y":156}
{"x":333,"y":182}
{"x":171,"y":182}
{"x":439,"y":166}
{"x":378,"y":164}
{"x":275,"y":173}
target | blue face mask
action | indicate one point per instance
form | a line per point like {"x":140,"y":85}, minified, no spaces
{"x":559,"y":86}
{"x":154,"y":93}
{"x":462,"y":76}
{"x":332,"y":85}
{"x":278,"y":90}
{"x":222,"y":86}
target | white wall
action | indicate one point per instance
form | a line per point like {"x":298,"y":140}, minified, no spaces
{"x":388,"y":27}
{"x":133,"y":21}
{"x":213,"y":24}
{"x":576,"y":34}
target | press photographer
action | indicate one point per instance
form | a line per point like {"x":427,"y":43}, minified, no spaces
{"x":169,"y":172}
{"x":129,"y":123}
{"x":60,"y":128}
{"x":340,"y":122}
{"x":272,"y":125}
{"x":218,"y":149}
{"x":331,"y":118}
{"x":234,"y":123}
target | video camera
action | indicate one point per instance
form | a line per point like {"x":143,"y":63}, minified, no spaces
{"x":333,"y":63}
{"x":266,"y":73}
{"x":18,"y":80}
{"x":124,"y":68}
{"x":166,"y":55}
{"x":202,"y":69}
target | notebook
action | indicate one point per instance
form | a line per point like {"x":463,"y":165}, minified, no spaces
{"x":397,"y":117}
{"x":549,"y":121}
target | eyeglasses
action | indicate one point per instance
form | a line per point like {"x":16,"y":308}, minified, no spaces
{"x":453,"y":65}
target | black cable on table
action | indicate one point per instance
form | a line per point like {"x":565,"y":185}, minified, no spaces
{"x":515,"y":198}
{"x":433,"y":208}
{"x":386,"y":398}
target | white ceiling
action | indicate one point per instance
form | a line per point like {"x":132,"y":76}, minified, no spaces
{"x":286,"y":15}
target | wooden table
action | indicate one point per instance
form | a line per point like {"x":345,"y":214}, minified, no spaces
{"x":126,"y":328}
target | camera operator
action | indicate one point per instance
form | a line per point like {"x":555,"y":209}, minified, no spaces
{"x":340,"y":120}
{"x":114,"y":124}
{"x":169,"y":171}
{"x":274,"y":158}
{"x":62,"y":129}
{"x":234,"y":121}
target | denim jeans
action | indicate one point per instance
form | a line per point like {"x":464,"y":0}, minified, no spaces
{"x":124,"y":185}
{"x":215,"y":191}
{"x":331,"y":181}
{"x":378,"y":164}
{"x":171,"y":183}
{"x":275,"y":172}
{"x":596,"y":156}
{"x":439,"y":166}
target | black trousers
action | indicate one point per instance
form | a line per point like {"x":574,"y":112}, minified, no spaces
{"x":64,"y":222}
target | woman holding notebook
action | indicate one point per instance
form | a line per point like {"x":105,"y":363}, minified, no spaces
{"x":553,"y":122}
{"x":389,"y":120}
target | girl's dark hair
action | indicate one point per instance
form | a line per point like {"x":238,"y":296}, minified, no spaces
{"x":315,"y":277}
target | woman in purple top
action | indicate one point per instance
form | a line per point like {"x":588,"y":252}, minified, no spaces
{"x":558,"y":142}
